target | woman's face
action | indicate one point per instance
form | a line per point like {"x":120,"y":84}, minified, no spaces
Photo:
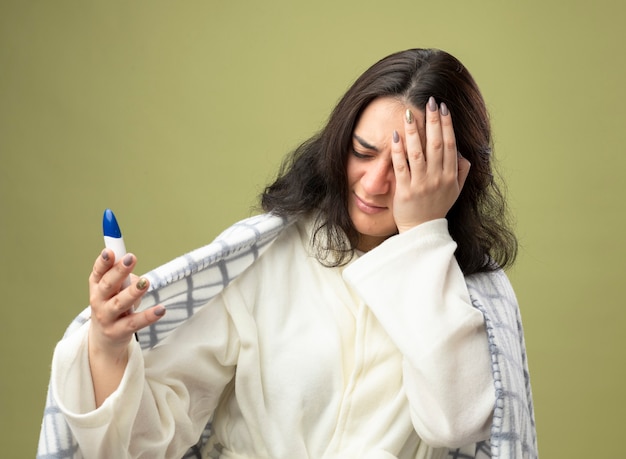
{"x":371,"y":181}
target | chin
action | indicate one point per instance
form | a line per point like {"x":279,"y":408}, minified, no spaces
{"x":373,"y":228}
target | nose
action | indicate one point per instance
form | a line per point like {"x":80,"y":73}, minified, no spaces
{"x":379,"y":178}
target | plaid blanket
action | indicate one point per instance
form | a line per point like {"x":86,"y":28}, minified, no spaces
{"x":186,"y":283}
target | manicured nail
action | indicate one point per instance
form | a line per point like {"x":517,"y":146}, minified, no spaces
{"x":396,"y":137}
{"x":432,"y":105}
{"x":409,"y":116}
{"x":128,"y":260}
{"x":142,"y":283}
{"x":444,"y":109}
{"x":105,"y":255}
{"x":159,"y":311}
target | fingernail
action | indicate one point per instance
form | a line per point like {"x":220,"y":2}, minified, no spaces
{"x":409,"y":116}
{"x":432,"y":105}
{"x":142,"y":283}
{"x":105,"y":255}
{"x":444,"y":109}
{"x":159,"y":311}
{"x":396,"y":137}
{"x":128,"y":260}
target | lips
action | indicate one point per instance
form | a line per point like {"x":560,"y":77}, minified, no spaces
{"x":367,"y":207}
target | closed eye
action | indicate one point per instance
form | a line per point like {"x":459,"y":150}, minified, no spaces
{"x":360,"y":155}
{"x":360,"y":143}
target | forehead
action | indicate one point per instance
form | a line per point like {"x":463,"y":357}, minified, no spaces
{"x":384,"y":115}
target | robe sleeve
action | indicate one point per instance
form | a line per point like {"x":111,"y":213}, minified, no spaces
{"x":413,"y":285}
{"x":167,"y":393}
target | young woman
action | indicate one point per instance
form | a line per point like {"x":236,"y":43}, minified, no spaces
{"x":354,"y":334}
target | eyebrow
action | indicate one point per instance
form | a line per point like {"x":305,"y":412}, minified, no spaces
{"x":365,"y":144}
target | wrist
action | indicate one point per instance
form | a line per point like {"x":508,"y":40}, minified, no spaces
{"x":403,"y":228}
{"x":104,"y":350}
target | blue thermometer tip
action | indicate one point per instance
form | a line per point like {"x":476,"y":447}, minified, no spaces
{"x":110,"y":227}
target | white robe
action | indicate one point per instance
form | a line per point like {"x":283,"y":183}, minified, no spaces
{"x":324,"y":369}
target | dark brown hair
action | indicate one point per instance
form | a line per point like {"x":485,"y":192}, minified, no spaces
{"x":313,"y":177}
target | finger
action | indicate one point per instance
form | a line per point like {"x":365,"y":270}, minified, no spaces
{"x":464,"y":168}
{"x":102,"y":264}
{"x":112,"y":281}
{"x":125,"y":327}
{"x":124,"y":302}
{"x":101,"y":267}
{"x":450,"y":152}
{"x":132,"y":279}
{"x":132,"y":323}
{"x":434,"y":137}
{"x":399,"y":161}
{"x":414,"y":149}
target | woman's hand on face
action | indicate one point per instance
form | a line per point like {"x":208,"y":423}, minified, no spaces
{"x":428,"y":182}
{"x":113,"y":320}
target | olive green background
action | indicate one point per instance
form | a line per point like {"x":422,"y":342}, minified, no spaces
{"x":175,"y":114}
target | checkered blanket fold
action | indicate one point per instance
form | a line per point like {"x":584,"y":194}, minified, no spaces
{"x":186,"y":283}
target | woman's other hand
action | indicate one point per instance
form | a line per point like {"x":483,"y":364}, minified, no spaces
{"x":429,"y":174}
{"x":113,"y":320}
